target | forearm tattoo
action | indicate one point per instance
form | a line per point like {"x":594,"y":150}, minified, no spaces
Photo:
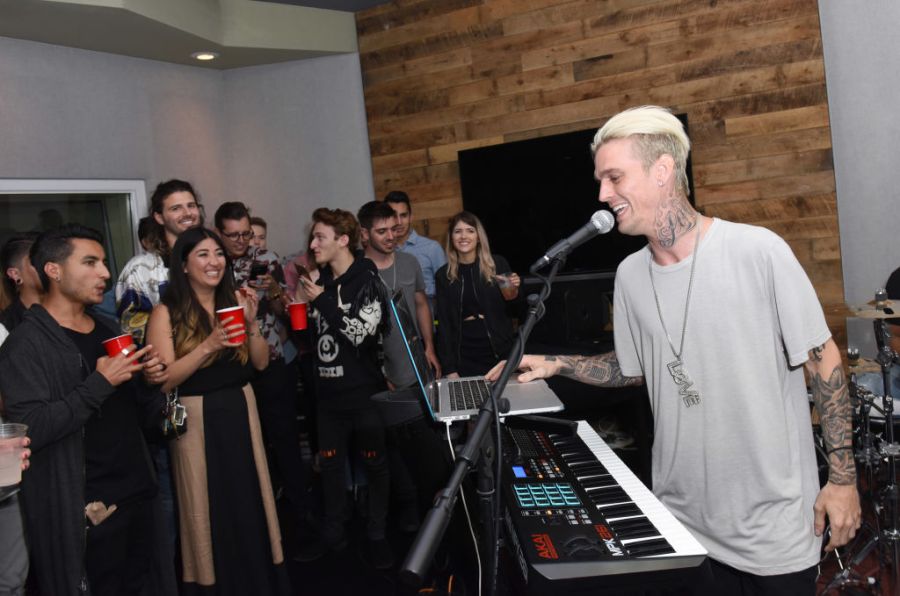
{"x":673,"y":220}
{"x":832,"y":401}
{"x":602,"y":370}
{"x":816,"y":353}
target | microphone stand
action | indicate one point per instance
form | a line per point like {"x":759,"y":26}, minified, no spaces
{"x":435,"y":524}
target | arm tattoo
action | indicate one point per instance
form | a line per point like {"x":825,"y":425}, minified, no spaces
{"x":816,"y":353}
{"x":832,"y":401}
{"x":602,"y":370}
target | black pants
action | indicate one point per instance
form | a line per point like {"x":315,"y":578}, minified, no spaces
{"x":120,"y":551}
{"x":275,"y":390}
{"x":731,"y":582}
{"x":336,"y":429}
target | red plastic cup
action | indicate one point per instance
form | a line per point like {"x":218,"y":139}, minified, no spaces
{"x":298,"y":315}
{"x":237,"y":318}
{"x":119,"y":344}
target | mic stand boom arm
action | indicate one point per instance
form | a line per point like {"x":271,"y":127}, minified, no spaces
{"x":435,"y":524}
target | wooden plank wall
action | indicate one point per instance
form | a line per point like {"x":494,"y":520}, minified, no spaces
{"x":445,"y":75}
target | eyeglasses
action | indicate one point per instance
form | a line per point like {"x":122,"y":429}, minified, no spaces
{"x":235,"y":235}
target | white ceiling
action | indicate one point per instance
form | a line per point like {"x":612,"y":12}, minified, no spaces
{"x":242,"y":32}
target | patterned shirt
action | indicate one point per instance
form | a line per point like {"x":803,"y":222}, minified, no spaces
{"x":140,"y":287}
{"x":268,"y":321}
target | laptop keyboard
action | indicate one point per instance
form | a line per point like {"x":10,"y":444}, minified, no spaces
{"x":468,"y":394}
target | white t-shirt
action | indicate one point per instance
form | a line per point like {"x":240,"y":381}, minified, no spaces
{"x":738,"y":469}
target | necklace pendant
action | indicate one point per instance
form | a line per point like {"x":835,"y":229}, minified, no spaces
{"x":689,"y":396}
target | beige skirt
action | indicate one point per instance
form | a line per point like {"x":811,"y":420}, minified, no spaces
{"x":189,"y":473}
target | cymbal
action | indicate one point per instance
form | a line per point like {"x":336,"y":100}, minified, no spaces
{"x":867,"y":311}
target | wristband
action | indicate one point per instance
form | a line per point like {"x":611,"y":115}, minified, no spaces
{"x":830,"y":451}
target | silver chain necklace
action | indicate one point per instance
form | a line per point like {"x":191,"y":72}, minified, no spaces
{"x":690,"y":397}
{"x":392,"y":287}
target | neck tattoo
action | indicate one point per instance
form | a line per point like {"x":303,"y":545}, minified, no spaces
{"x":690,"y":397}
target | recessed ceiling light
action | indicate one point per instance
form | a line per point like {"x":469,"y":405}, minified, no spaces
{"x":205,"y":55}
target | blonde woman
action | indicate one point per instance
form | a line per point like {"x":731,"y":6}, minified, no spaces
{"x":230,"y":541}
{"x":474,"y":314}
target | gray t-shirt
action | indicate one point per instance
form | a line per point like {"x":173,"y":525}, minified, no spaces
{"x":738,"y":469}
{"x":404,"y":275}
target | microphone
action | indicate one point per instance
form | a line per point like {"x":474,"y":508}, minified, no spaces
{"x":601,"y":222}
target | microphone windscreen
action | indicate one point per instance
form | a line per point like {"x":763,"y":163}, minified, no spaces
{"x":603,"y":220}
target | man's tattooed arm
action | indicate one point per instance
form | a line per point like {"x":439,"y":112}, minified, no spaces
{"x":601,"y":370}
{"x":832,"y":402}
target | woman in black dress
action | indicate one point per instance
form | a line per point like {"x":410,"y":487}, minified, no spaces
{"x":230,"y":540}
{"x":474,"y":315}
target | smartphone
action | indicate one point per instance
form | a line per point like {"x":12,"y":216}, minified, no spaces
{"x":301,"y":271}
{"x":258,"y":269}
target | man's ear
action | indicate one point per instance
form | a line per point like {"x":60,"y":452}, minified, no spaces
{"x":52,"y":270}
{"x":343,"y":240}
{"x":363,"y":234}
{"x":663,"y":168}
{"x":13,"y":274}
{"x":158,"y":218}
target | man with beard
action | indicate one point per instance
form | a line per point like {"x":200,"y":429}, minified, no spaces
{"x":175,"y":208}
{"x":402,"y":276}
{"x":90,"y":466}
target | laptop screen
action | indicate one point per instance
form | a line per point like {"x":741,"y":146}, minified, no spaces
{"x":414,"y":347}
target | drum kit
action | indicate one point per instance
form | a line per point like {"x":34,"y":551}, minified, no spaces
{"x":876,"y":451}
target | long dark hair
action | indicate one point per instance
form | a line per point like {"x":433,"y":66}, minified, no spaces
{"x":191,"y":324}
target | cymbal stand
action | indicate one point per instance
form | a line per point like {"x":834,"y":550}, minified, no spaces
{"x":890,"y":532}
{"x":867,"y":454}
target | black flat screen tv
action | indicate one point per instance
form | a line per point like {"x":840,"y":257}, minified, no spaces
{"x":530,"y":194}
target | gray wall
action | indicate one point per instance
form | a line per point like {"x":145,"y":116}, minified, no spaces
{"x":861,"y":43}
{"x":285,"y":138}
{"x":296,"y":139}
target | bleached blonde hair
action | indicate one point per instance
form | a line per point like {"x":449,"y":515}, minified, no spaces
{"x":655,"y":132}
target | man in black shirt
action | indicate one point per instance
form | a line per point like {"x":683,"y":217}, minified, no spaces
{"x":90,"y":467}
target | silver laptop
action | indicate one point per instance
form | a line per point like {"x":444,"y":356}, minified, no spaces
{"x":460,"y":399}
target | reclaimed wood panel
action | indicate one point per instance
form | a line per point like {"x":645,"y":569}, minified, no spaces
{"x":442,"y":76}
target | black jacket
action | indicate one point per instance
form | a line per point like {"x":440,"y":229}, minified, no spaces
{"x":497,"y":314}
{"x":12,"y":316}
{"x":46,"y":384}
{"x":348,"y":318}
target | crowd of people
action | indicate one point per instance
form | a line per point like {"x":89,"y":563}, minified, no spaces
{"x":122,"y":497}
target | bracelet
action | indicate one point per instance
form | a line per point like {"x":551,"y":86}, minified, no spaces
{"x":842,"y":447}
